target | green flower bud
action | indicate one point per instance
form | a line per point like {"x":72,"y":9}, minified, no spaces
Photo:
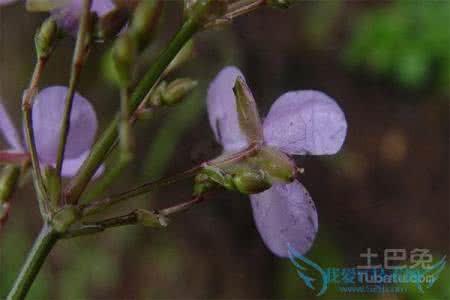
{"x":8,"y":180}
{"x":53,"y":184}
{"x":45,"y":38}
{"x":177,"y":90}
{"x":275,"y":163}
{"x":145,"y":19}
{"x":251,"y":181}
{"x":155,"y":97}
{"x":64,"y":218}
{"x":151,"y":219}
{"x":124,"y":54}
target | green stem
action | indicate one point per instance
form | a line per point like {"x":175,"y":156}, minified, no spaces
{"x":97,"y":206}
{"x":27,"y":108}
{"x":76,"y":187}
{"x":77,"y":62}
{"x":41,"y":248}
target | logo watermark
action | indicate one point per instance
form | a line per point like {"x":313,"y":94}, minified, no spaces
{"x":398,"y":271}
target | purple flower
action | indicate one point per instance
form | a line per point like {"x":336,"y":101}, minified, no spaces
{"x":299,"y":122}
{"x":6,"y":2}
{"x":48,"y":109}
{"x":69,"y":15}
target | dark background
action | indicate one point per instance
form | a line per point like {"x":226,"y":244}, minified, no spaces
{"x":386,"y":63}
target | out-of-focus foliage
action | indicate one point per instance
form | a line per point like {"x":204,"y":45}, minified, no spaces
{"x":407,"y":41}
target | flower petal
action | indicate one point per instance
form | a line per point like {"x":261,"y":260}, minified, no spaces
{"x":285,"y":214}
{"x":68,"y":16}
{"x":71,"y":166}
{"x":305,"y":122}
{"x":6,"y":2}
{"x":222,"y":112}
{"x":7,"y":128}
{"x":48,"y":110}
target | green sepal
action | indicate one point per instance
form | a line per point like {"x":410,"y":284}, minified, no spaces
{"x":248,"y":115}
{"x":177,"y":90}
{"x":275,"y":163}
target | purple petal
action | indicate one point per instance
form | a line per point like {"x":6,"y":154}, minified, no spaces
{"x":6,"y":2}
{"x":71,"y":166}
{"x":285,"y":214}
{"x":8,"y":130}
{"x":48,"y":111}
{"x":68,"y":16}
{"x":222,"y":112}
{"x":305,"y":122}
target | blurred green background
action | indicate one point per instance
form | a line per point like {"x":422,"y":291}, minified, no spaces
{"x":386,"y":63}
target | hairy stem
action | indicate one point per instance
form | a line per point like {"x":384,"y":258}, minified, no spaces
{"x":41,"y":248}
{"x":77,"y":63}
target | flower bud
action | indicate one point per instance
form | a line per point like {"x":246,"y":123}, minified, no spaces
{"x":124,"y":54}
{"x":9,"y":177}
{"x":151,"y":219}
{"x":251,"y":181}
{"x":46,"y":37}
{"x":177,"y":90}
{"x":145,"y":19}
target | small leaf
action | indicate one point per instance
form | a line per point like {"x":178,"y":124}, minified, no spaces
{"x":249,"y":120}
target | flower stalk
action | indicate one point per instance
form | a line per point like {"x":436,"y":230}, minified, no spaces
{"x":27,"y":107}
{"x":79,"y":56}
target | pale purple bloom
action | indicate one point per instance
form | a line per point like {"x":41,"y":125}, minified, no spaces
{"x":47,"y":115}
{"x":6,"y":2}
{"x":299,"y":122}
{"x":69,"y":15}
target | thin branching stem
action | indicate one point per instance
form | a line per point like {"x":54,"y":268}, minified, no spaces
{"x":27,"y":109}
{"x":100,"y":205}
{"x":79,"y":56}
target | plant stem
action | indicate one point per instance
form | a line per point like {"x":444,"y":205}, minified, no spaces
{"x":27,"y":108}
{"x":98,"y":206}
{"x":131,"y":218}
{"x":41,"y":248}
{"x":78,"y":184}
{"x":77,"y":63}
